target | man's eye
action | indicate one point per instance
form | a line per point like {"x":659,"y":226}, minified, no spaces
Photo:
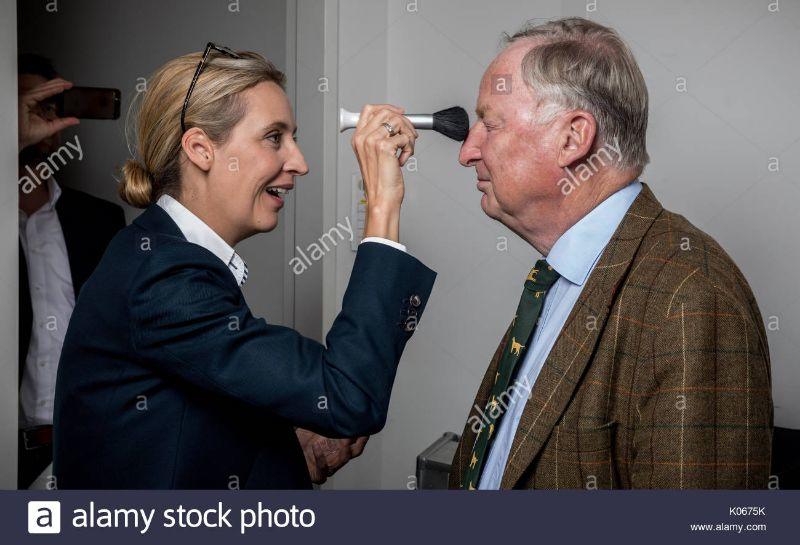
{"x":274,"y":137}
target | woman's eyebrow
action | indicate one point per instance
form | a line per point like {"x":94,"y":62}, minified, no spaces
{"x":279,"y":125}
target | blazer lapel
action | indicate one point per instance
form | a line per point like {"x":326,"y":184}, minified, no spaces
{"x":574,"y":347}
{"x":70,"y":220}
{"x":25,"y":312}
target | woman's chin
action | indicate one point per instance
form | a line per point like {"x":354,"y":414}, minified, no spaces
{"x":263,"y":226}
{"x":266,"y":214}
{"x":268,"y":220}
{"x":261,"y":222}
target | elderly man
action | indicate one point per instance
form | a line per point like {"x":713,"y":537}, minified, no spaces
{"x":637,"y":357}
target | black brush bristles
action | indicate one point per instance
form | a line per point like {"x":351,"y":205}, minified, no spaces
{"x":452,"y":122}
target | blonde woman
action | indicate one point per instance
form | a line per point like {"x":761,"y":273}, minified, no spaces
{"x":166,"y":380}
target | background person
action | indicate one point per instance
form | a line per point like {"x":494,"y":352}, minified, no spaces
{"x":62,"y":236}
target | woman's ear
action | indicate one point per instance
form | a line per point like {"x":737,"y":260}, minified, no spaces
{"x":197,"y":147}
{"x":577,"y":137}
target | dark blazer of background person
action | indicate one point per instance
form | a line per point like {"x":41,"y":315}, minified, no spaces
{"x":195,"y":392}
{"x":88,"y":224}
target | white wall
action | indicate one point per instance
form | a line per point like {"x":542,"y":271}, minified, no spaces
{"x":362,"y":78}
{"x":710,"y":149}
{"x":8,"y":243}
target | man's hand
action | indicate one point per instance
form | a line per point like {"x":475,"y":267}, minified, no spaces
{"x":325,"y":456}
{"x":37,"y":120}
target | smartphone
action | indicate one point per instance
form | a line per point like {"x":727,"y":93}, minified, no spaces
{"x":88,"y":103}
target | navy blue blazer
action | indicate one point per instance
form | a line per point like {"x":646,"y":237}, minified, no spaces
{"x":166,"y":380}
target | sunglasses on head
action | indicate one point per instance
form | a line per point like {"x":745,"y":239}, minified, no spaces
{"x":209,"y":47}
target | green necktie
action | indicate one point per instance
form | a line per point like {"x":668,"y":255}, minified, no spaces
{"x":540,"y":279}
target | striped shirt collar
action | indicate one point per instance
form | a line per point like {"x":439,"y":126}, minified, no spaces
{"x":198,"y":232}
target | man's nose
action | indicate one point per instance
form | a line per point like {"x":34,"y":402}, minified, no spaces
{"x":470,"y":150}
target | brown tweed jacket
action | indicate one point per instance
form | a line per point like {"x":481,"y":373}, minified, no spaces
{"x":659,"y":379}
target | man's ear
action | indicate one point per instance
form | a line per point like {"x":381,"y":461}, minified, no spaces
{"x":197,"y":147}
{"x":578,"y":132}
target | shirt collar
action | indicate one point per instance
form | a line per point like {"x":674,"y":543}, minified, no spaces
{"x":198,"y":232}
{"x":577,"y":250}
{"x":54,"y":192}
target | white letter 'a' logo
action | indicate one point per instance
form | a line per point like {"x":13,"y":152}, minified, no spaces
{"x":44,"y":517}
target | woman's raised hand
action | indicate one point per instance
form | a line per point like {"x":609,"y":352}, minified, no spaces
{"x":376,"y":148}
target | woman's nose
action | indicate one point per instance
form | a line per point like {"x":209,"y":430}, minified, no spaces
{"x":297,"y":163}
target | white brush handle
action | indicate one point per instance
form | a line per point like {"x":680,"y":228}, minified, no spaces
{"x":349,"y":120}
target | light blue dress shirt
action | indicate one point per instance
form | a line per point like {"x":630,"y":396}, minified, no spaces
{"x":573,"y":256}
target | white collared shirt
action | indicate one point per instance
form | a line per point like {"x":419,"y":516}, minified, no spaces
{"x":574,"y":256}
{"x":198,"y":232}
{"x":52,"y":302}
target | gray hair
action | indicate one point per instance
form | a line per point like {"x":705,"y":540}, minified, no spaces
{"x":580,"y":64}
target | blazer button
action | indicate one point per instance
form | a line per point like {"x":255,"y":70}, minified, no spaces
{"x":415,"y":300}
{"x":411,"y":323}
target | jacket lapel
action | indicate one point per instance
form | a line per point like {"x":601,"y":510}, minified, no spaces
{"x":573,"y":350}
{"x":25,"y":312}
{"x":70,"y":220}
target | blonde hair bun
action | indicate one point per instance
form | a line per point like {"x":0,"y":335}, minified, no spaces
{"x":136,"y":186}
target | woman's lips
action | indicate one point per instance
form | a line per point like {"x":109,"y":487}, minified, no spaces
{"x":277,"y":192}
{"x":275,"y":198}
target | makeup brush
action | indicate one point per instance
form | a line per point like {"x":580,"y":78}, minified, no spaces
{"x":451,"y":122}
